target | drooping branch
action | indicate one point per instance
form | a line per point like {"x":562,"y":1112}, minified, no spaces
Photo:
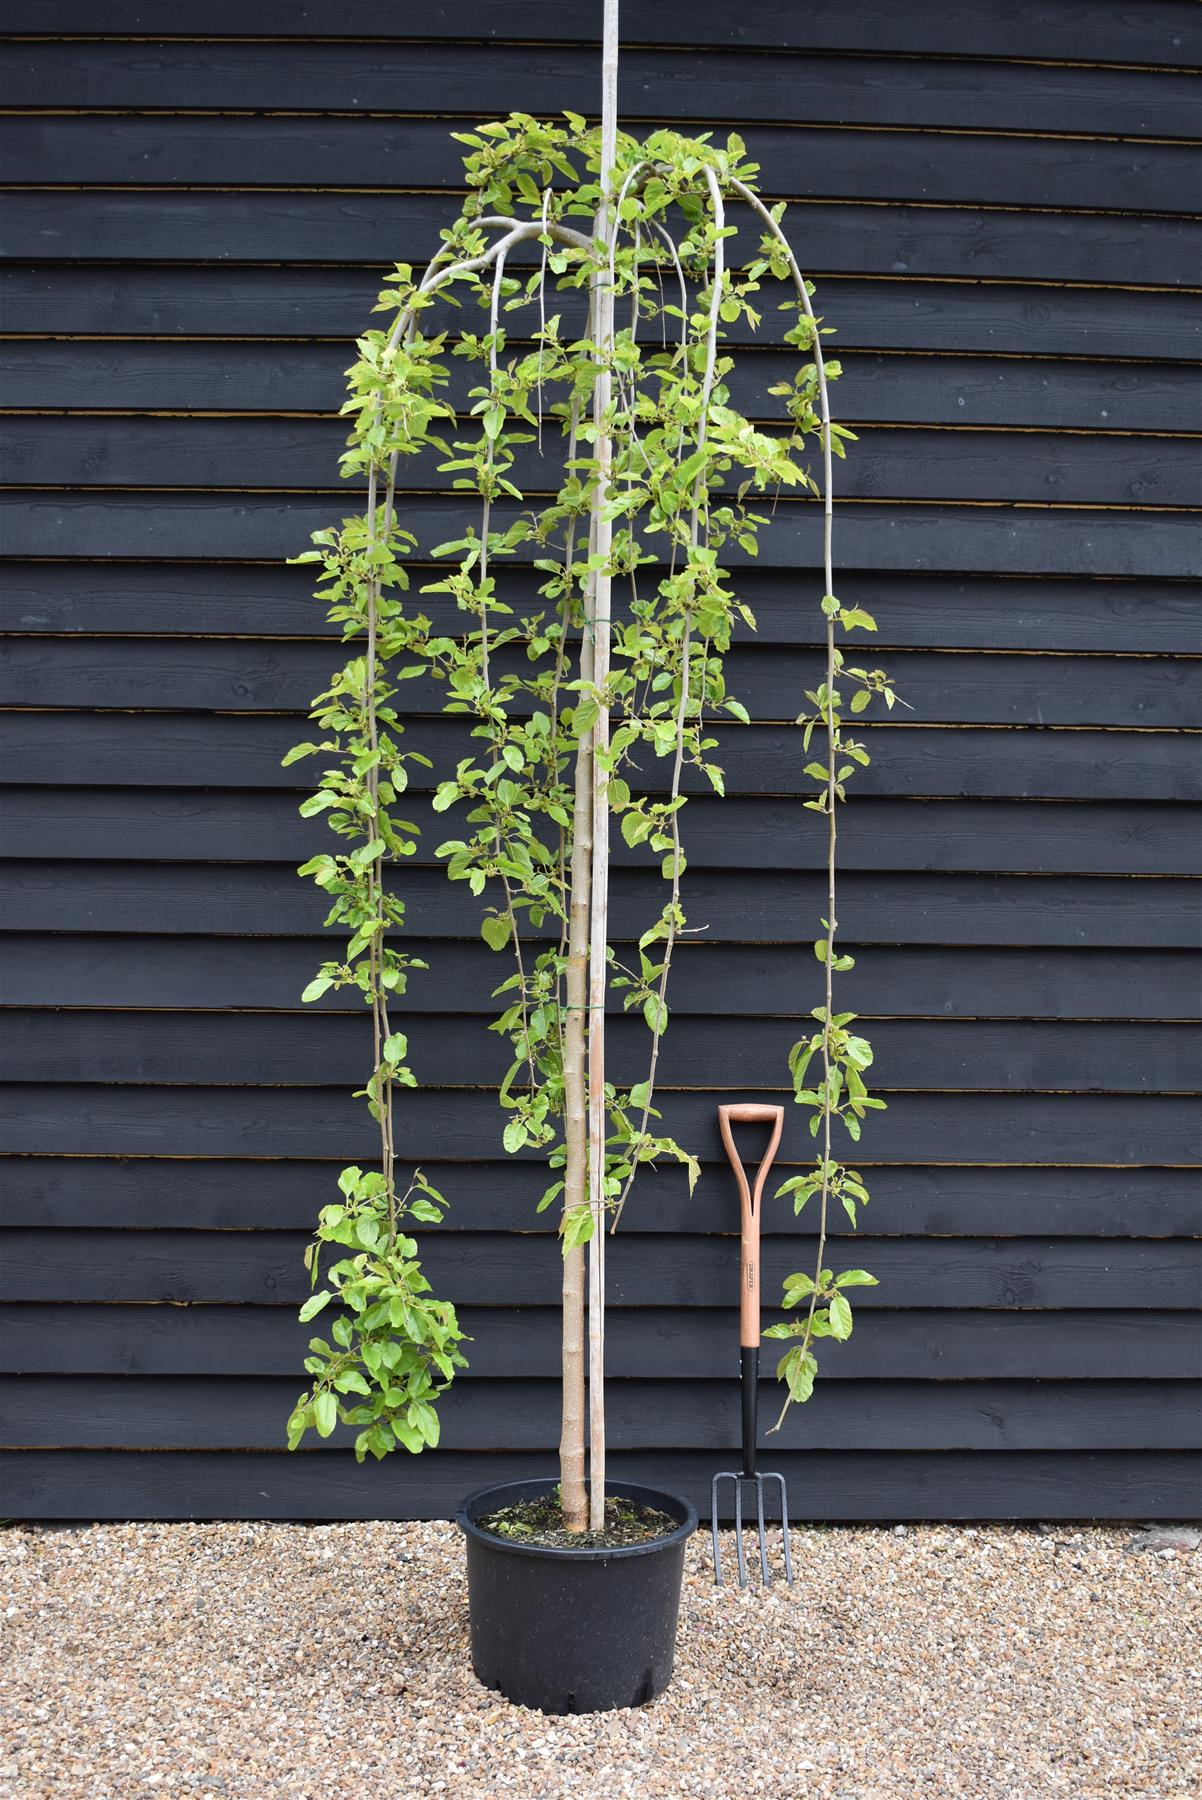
{"x":828,"y":705}
{"x":673,"y":911}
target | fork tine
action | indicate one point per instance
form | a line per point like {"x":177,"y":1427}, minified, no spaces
{"x":772,"y":1475}
{"x":765,"y":1572}
{"x":738,"y":1481}
{"x":718,"y":1581}
{"x":739,"y":1556}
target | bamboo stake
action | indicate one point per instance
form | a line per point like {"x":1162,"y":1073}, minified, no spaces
{"x":599,"y":626}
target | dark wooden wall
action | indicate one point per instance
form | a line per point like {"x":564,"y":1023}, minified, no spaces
{"x":995,"y":199}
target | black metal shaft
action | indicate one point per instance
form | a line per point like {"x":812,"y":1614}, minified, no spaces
{"x":749,"y":1364}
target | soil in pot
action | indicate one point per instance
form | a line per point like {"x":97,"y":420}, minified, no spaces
{"x":540,"y":1521}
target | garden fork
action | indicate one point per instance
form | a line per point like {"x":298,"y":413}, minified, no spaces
{"x":749,"y":1346}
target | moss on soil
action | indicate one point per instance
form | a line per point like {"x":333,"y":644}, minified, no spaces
{"x":541,"y":1522}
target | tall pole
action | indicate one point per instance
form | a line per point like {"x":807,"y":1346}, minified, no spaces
{"x":599,"y":625}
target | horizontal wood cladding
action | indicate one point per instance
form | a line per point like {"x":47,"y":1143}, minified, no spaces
{"x":849,"y":1484}
{"x":265,"y":1267}
{"x":915,"y":611}
{"x":856,"y":163}
{"x":939,"y":908}
{"x":216,"y":1413}
{"x":1034,"y":837}
{"x":992,"y":540}
{"x":711,"y":979}
{"x":891,"y":463}
{"x":886,"y":312}
{"x":970,"y":1344}
{"x":47,"y":1119}
{"x":114,"y":224}
{"x":676,"y":84}
{"x":998,"y":202}
{"x":222,"y":1194}
{"x":299,"y":377}
{"x":246,"y":677}
{"x":195,"y":751}
{"x":1156,"y":31}
{"x":272,"y":1050}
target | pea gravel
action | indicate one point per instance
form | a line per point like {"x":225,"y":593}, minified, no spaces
{"x":330,"y":1663}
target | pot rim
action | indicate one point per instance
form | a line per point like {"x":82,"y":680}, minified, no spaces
{"x":474,"y":1503}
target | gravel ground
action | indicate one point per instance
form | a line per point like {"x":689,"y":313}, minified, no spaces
{"x":330,"y":1663}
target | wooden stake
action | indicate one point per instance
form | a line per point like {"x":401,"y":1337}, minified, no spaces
{"x":599,"y":626}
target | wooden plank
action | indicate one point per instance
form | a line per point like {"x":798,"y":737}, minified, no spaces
{"x":1009,"y":836}
{"x":248,"y":1412}
{"x":72,"y":1484}
{"x":797,"y":160}
{"x":131,"y":451}
{"x":296,"y":376}
{"x":933,"y":611}
{"x":915,"y":1345}
{"x":249,"y":675}
{"x":1163,"y":31}
{"x":162,"y":1048}
{"x":886,"y":313}
{"x":317,"y":1122}
{"x":999,"y":540}
{"x":115,"y":224}
{"x":951,"y":908}
{"x":187,"y":750}
{"x":220,"y":1194}
{"x":708,"y":978}
{"x":677,"y":84}
{"x":261,"y":1266}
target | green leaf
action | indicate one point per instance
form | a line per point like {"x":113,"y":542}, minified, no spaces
{"x":577,"y":1227}
{"x":549,"y":1196}
{"x":494,"y":929}
{"x":351,"y":1382}
{"x":325,"y":1413}
{"x":856,"y":1278}
{"x":409,"y":1436}
{"x":313,"y":1305}
{"x":317,"y":987}
{"x":798,"y":1368}
{"x":656,"y":1014}
{"x":840,"y":1317}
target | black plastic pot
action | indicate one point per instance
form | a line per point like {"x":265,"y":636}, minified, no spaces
{"x":573,"y":1631}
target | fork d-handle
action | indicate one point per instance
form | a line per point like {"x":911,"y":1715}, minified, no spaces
{"x":750,"y":1113}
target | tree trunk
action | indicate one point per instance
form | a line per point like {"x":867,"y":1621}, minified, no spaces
{"x":575,"y":1189}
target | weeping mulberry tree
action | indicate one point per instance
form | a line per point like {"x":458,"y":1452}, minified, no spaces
{"x":598,"y":442}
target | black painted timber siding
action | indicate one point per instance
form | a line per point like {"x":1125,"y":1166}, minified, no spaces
{"x":996,"y":200}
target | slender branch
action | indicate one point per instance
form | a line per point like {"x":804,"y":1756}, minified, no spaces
{"x":803,"y":295}
{"x":707,"y":386}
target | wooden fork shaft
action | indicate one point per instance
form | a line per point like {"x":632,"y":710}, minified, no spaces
{"x":750,"y":1113}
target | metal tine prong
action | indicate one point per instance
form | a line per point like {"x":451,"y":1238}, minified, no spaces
{"x":761,"y":1526}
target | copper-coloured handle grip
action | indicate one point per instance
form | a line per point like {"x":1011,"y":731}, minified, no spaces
{"x":750,"y":1113}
